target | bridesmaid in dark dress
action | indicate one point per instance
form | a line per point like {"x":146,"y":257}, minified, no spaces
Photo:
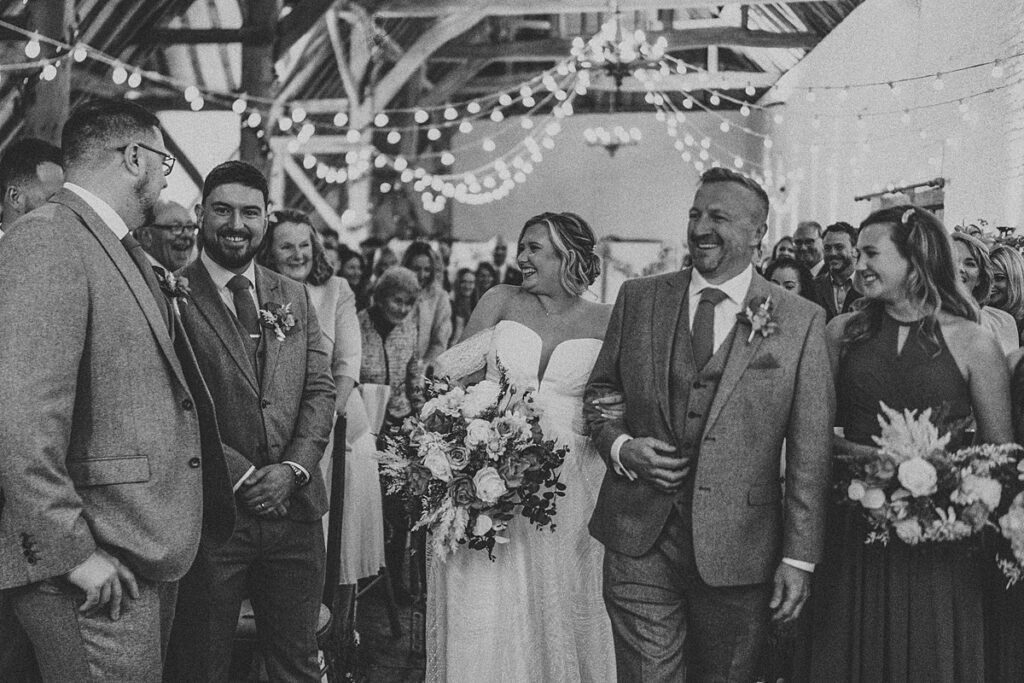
{"x":900,"y":613}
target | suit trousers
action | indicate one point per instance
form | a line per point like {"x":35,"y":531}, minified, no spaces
{"x":17,"y":659}
{"x":668,"y":624}
{"x":279,"y":565}
{"x":75,"y":647}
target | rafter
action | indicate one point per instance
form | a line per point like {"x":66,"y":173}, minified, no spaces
{"x":552,"y":49}
{"x":303,"y":16}
{"x":433,"y":8}
{"x":723,"y":80}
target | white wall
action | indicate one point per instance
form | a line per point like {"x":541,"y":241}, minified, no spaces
{"x":981,"y":158}
{"x":643,"y":191}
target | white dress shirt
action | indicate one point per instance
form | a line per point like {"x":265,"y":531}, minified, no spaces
{"x":735,"y":290}
{"x":221,"y":276}
{"x":110,"y":217}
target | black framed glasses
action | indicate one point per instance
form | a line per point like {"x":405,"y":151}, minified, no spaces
{"x":168,"y":160}
{"x":177,"y":229}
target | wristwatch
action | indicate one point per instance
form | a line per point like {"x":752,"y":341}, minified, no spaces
{"x":300,"y":477}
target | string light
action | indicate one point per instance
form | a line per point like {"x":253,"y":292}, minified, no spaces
{"x":120,"y":74}
{"x":33,"y":48}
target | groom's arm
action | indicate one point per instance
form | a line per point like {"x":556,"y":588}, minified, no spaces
{"x":809,"y":448}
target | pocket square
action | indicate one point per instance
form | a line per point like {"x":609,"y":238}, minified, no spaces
{"x":765,"y":361}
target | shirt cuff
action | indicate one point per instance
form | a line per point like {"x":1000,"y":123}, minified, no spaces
{"x":616,"y":462}
{"x":806,"y":566}
{"x":238,"y":484}
{"x":305,"y":472}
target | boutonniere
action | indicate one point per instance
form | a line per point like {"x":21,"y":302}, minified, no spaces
{"x":278,"y":318}
{"x":758,"y":314}
{"x":172,"y":285}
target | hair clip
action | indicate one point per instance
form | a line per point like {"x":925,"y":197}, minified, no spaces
{"x":906,"y":216}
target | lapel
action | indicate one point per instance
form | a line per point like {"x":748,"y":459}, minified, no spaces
{"x":741,"y":352}
{"x":203,"y":293}
{"x":268,"y":289}
{"x":129,"y":271}
{"x":670,"y":303}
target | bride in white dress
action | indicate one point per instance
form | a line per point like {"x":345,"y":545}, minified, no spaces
{"x":535,"y":613}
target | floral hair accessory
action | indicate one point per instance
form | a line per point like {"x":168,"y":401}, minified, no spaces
{"x":278,"y":318}
{"x":758,"y":314}
{"x":172,"y":285}
{"x":907,"y":215}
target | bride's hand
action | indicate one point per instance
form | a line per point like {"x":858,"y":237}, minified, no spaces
{"x":611,"y":406}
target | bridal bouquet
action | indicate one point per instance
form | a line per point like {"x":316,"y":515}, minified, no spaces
{"x":916,"y":489}
{"x":472,"y":460}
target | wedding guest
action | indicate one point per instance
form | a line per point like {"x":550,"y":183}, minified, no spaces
{"x":31,"y":172}
{"x":259,"y":344}
{"x":809,"y":247}
{"x":111,"y":463}
{"x":433,"y":311}
{"x":352,"y":268}
{"x":784,"y":248}
{"x":535,"y":613}
{"x":504,"y":272}
{"x":901,"y":612}
{"x":390,"y":358}
{"x":1008,"y":284}
{"x":293,"y":249}
{"x":972,"y":263}
{"x":790,"y":274}
{"x":486,"y":277}
{"x":169,"y":240}
{"x":384,"y":258}
{"x":463,"y":301}
{"x":444,"y":248}
{"x":834,"y":289}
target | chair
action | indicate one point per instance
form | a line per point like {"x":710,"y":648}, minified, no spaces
{"x":328,"y":627}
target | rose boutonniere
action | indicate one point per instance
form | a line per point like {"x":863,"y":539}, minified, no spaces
{"x":758,"y":314}
{"x":172,"y":285}
{"x":278,"y":318}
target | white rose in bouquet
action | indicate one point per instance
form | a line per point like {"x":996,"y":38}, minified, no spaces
{"x":489,"y":485}
{"x":909,"y":531}
{"x":918,"y":476}
{"x":437,"y":462}
{"x":873,"y":499}
{"x":478,"y":432}
{"x":479,"y":398}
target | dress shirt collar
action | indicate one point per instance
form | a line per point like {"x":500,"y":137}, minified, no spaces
{"x":220,"y":275}
{"x":102,"y":209}
{"x":735,"y":288}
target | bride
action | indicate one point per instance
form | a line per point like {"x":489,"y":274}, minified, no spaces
{"x":535,"y":613}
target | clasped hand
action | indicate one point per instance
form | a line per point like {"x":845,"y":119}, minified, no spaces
{"x":265,"y":492}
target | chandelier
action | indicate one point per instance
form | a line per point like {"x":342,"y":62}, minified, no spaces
{"x":617,"y":54}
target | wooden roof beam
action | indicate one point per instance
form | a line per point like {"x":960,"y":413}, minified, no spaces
{"x":553,"y":49}
{"x":723,"y":80}
{"x":433,"y":8}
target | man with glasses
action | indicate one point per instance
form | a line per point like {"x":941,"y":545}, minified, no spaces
{"x":111,"y":462}
{"x":169,"y":241}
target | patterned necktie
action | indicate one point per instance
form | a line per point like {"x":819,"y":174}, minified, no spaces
{"x":138,"y":255}
{"x":703,"y":334}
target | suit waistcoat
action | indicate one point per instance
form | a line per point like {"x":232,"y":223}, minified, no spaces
{"x":691,"y":392}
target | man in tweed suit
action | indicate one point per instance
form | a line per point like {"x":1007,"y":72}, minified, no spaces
{"x":260,"y":348}
{"x":104,"y":433}
{"x":717,"y":368}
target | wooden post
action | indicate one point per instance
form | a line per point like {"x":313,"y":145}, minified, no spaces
{"x":47,"y":102}
{"x":258,"y":74}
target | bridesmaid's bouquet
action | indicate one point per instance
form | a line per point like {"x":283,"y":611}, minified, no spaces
{"x":917,"y":490}
{"x":470,"y":461}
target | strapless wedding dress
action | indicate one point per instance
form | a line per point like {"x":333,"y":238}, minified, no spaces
{"x":536,"y":613}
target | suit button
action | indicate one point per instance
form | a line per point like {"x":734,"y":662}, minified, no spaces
{"x":187,"y":404}
{"x":264,"y":403}
{"x":698,"y":385}
{"x":693,"y":414}
{"x":194,"y":463}
{"x":33,"y":559}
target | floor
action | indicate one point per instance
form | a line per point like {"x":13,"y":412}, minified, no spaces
{"x":381,"y":656}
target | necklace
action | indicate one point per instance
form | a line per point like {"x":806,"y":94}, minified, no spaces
{"x":548,"y":314}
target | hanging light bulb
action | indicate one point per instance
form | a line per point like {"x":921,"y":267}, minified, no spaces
{"x":340,"y":119}
{"x":48,"y":73}
{"x":380,"y":120}
{"x":191,"y":92}
{"x":938,"y":83}
{"x":905,"y":116}
{"x":135,"y":79}
{"x":239,"y":106}
{"x":488,"y":145}
{"x":79,"y":54}
{"x":497,"y":116}
{"x":197,"y":104}
{"x":433,"y":134}
{"x":298,"y":114}
{"x":473,"y":107}
{"x":750,"y":90}
{"x":254,"y":120}
{"x":465,"y":127}
{"x":394,"y":137}
{"x":120,"y":75}
{"x":284,"y":123}
{"x":526,"y":123}
{"x":724,"y":126}
{"x":450,"y":114}
{"x":811,"y":95}
{"x":353,"y":136}
{"x":447,"y":158}
{"x":997,"y":70}
{"x":715,"y":100}
{"x":33,"y":48}
{"x":505,"y":99}
{"x":420,"y":116}
{"x":745,"y":110}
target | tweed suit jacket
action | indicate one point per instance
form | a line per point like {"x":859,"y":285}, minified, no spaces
{"x":100,"y":434}
{"x":287,"y":413}
{"x":824,"y":296}
{"x":772,"y":389}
